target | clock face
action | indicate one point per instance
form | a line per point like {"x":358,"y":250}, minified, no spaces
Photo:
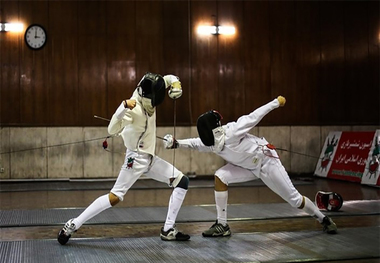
{"x":35,"y":37}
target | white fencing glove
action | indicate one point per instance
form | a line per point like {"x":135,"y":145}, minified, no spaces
{"x":170,"y":142}
{"x":175,"y":89}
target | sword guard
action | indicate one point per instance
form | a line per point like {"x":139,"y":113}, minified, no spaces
{"x":270,"y":146}
{"x":105,"y":144}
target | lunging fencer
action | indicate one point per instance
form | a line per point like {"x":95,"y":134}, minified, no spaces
{"x":135,"y":120}
{"x":248,"y":158}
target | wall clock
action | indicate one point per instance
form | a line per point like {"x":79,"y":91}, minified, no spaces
{"x":35,"y":36}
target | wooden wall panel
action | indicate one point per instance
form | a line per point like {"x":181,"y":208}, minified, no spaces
{"x":357,"y":78}
{"x":283,"y":64}
{"x":63,"y":51}
{"x":34,"y":69}
{"x":121,"y":45}
{"x":373,"y":94}
{"x":332,"y":63}
{"x":308,"y":60}
{"x":230,"y":69}
{"x":204,"y":61}
{"x":10,"y":68}
{"x":257,"y":55}
{"x":149,"y":48}
{"x":176,"y":55}
{"x":92,"y":60}
{"x":321,"y":55}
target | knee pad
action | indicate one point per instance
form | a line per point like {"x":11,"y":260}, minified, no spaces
{"x":181,"y":181}
{"x":302,"y":205}
{"x":113,"y":199}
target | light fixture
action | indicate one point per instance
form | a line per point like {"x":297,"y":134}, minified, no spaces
{"x":216,"y":30}
{"x":226,"y":30}
{"x":206,"y":30}
{"x":11,"y":27}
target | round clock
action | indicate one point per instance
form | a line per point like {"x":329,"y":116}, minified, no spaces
{"x":35,"y":37}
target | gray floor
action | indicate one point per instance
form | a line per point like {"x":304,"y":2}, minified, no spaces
{"x":303,"y":246}
{"x":150,"y":215}
{"x":264,"y":229}
{"x":98,"y":184}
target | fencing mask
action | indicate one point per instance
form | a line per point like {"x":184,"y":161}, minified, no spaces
{"x":152,"y":86}
{"x":329,"y":201}
{"x":206,"y":123}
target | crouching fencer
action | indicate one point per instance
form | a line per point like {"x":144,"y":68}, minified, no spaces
{"x":248,"y":158}
{"x":135,"y":120}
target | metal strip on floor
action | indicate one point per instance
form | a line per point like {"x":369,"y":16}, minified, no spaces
{"x":203,"y":213}
{"x":76,"y":185}
{"x":302,"y":246}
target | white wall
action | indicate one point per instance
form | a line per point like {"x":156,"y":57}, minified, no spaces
{"x":74,"y":152}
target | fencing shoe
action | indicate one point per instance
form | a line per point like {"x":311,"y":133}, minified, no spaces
{"x":65,"y":234}
{"x":217,"y":230}
{"x":329,"y":226}
{"x":173,"y":235}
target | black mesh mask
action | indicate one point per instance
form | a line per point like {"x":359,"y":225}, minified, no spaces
{"x":205,"y":124}
{"x":152,"y":86}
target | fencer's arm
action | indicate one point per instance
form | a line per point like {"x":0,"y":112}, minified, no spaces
{"x":194,"y":143}
{"x":121,"y":117}
{"x":245,"y":123}
{"x":170,"y":79}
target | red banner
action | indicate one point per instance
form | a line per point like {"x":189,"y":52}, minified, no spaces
{"x":351,"y":156}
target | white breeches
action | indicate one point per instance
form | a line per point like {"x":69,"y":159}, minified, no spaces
{"x":272,"y":173}
{"x":137,"y":164}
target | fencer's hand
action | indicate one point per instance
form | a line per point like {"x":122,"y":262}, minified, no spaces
{"x":175,"y":90}
{"x":170,"y":142}
{"x":130,"y":104}
{"x":281,"y":100}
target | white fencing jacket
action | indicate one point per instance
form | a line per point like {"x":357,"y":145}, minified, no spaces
{"x":137,"y":129}
{"x":240,"y":147}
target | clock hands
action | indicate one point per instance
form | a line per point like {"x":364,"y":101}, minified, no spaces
{"x":35,"y":35}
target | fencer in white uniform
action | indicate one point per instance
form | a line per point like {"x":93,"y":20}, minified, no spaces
{"x":248,"y":158}
{"x":135,"y":121}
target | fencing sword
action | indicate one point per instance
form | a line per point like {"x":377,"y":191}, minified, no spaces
{"x":174,"y":124}
{"x":101,"y":118}
{"x":280,"y":149}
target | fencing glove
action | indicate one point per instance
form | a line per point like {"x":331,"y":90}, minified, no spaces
{"x":170,"y":142}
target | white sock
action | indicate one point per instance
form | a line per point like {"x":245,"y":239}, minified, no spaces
{"x":175,"y":203}
{"x":99,"y":205}
{"x":312,"y":210}
{"x":221,"y":206}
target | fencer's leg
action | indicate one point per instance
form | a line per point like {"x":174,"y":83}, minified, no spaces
{"x":169,"y":232}
{"x":165,"y":172}
{"x":220,"y":228}
{"x":125,"y":180}
{"x":221,"y":198}
{"x":308,"y":206}
{"x":71,"y":226}
{"x":277,"y":179}
{"x":180,"y":184}
{"x":99,"y":205}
